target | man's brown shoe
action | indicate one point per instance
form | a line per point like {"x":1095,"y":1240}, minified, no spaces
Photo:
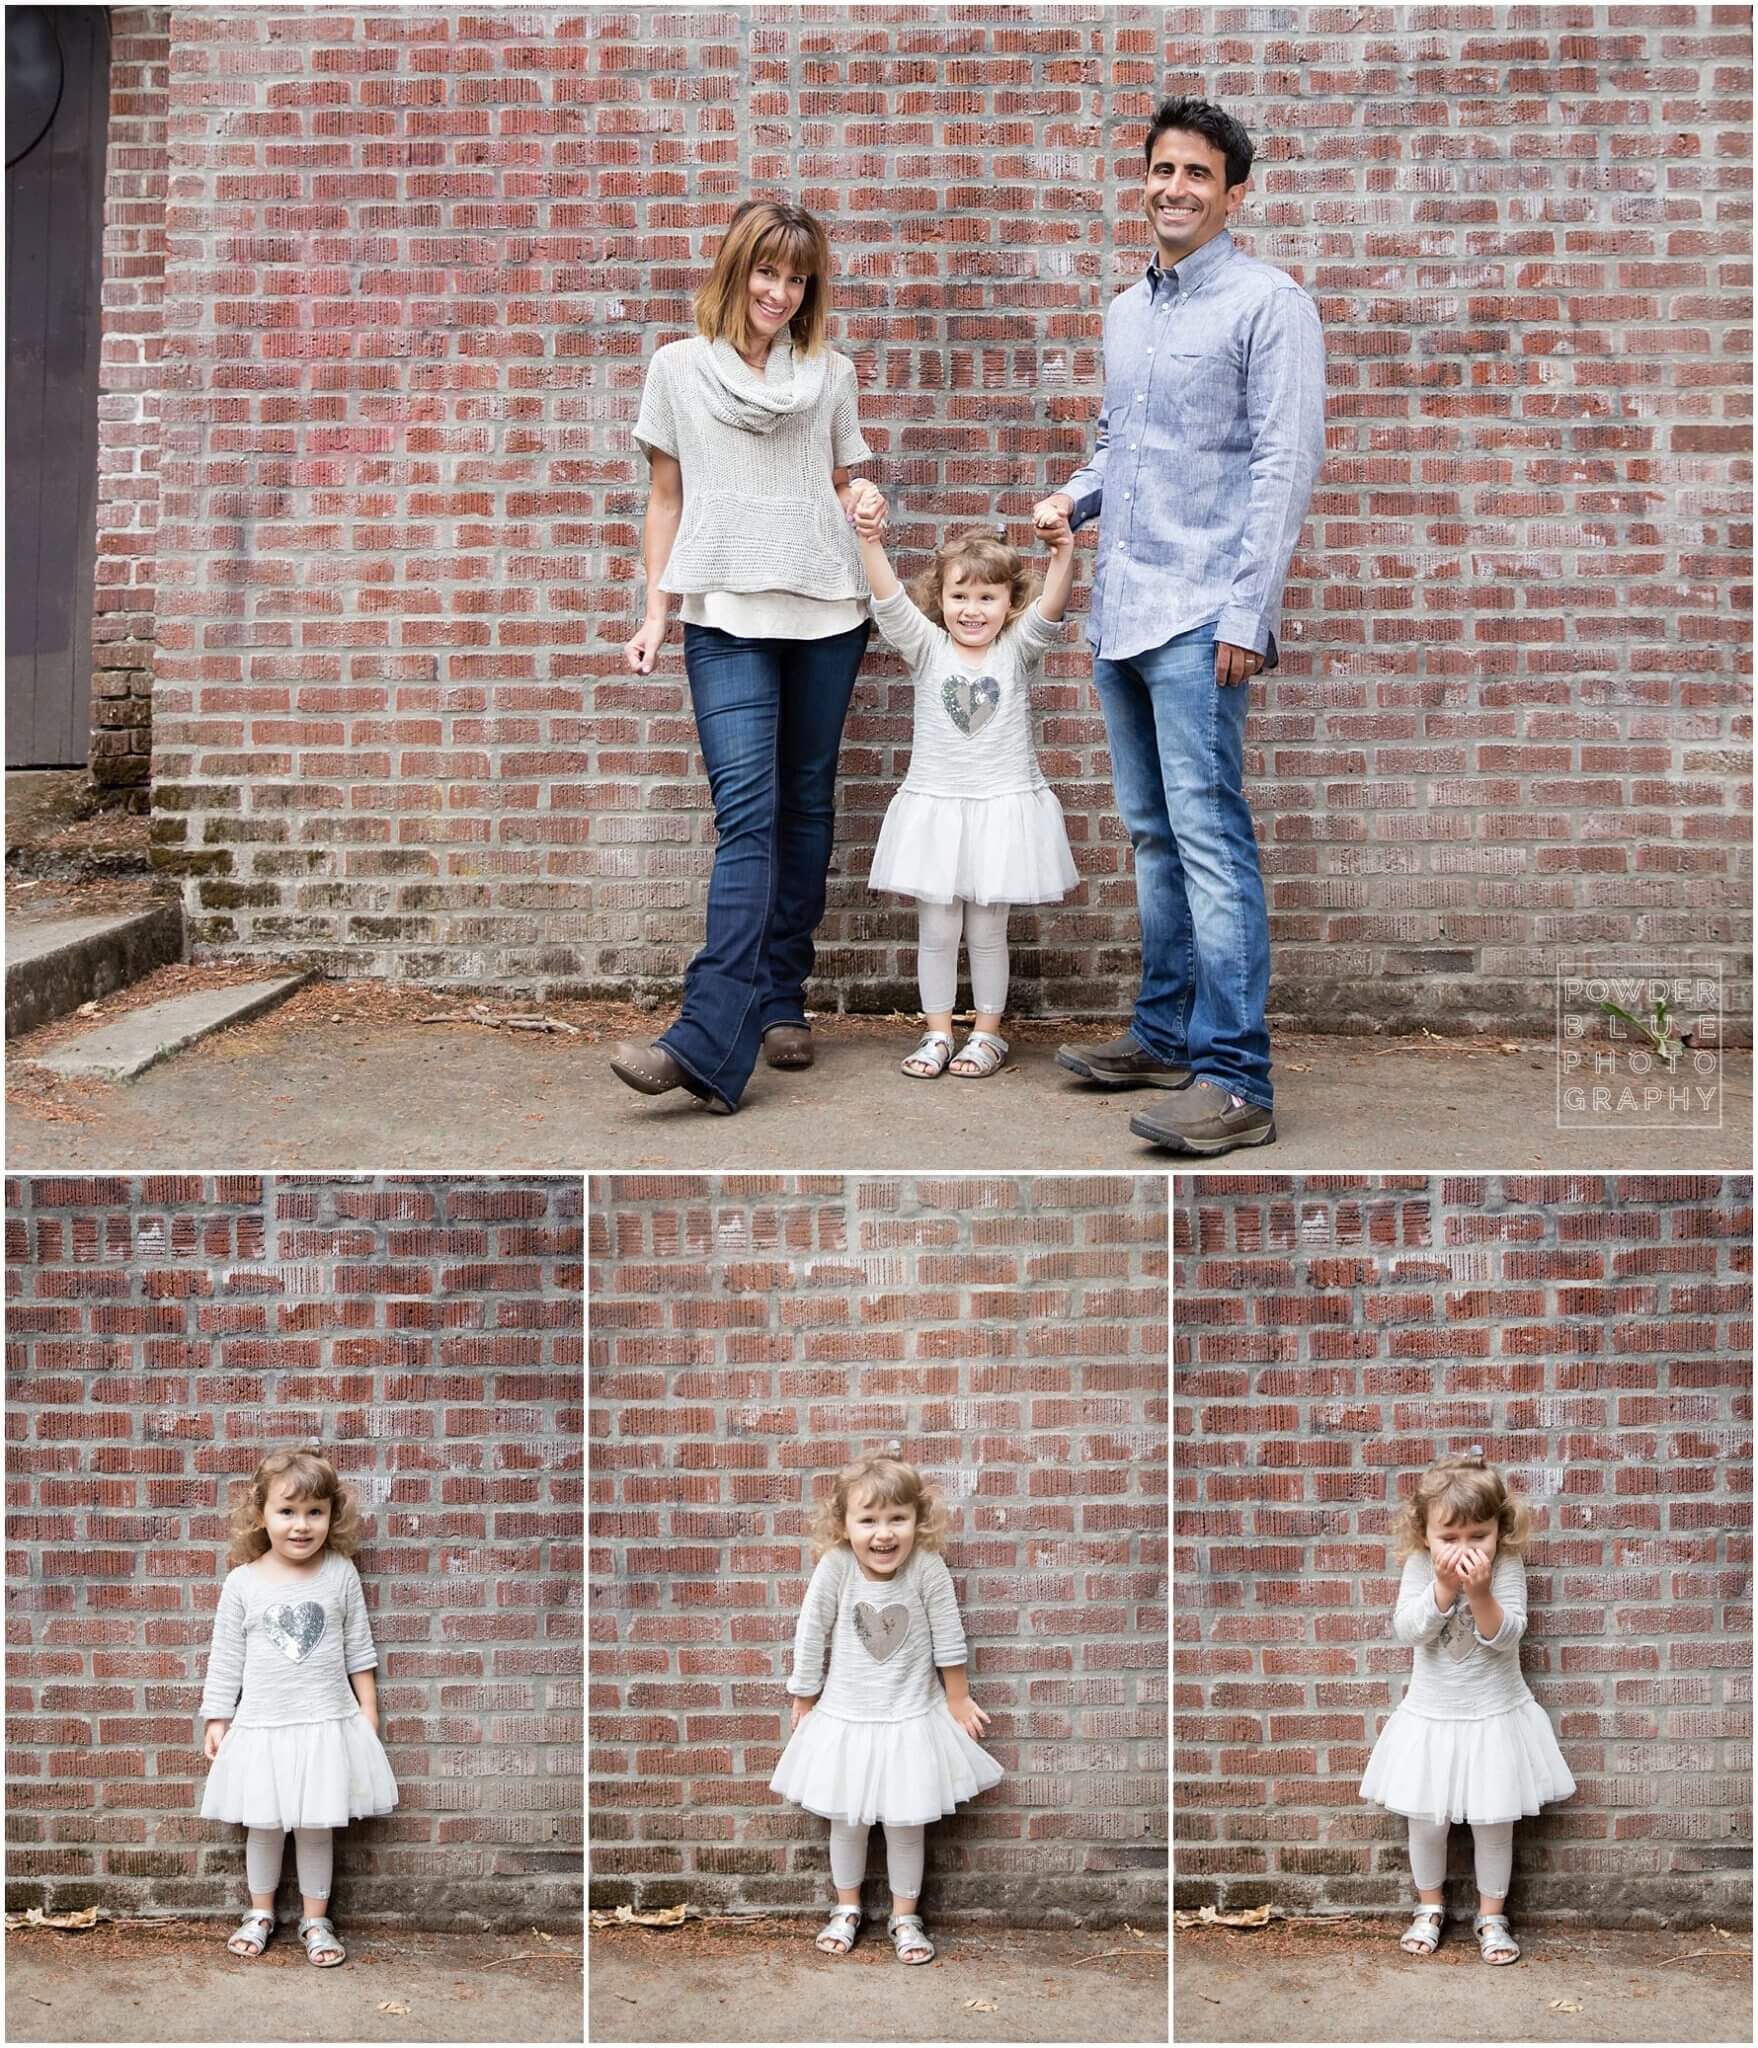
{"x":1206,"y":1120}
{"x":1122,"y":1064}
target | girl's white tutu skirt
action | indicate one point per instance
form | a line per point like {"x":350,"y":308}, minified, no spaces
{"x":986,"y":849}
{"x":1494,"y":1769}
{"x":309,"y":1774}
{"x":907,"y":1772}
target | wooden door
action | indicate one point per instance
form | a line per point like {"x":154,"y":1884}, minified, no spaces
{"x":57,"y":116}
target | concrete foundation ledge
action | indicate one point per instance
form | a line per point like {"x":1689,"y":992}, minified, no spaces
{"x":54,"y":965}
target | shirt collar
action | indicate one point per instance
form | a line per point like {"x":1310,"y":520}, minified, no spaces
{"x":1196,"y":268}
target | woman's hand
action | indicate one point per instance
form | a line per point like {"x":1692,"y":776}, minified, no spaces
{"x":969,"y":1716}
{"x":801,"y":1709}
{"x":643,"y":650}
{"x":868,"y":510}
{"x":214,"y":1735}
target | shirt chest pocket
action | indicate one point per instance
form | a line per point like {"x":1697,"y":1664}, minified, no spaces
{"x":1203,"y":395}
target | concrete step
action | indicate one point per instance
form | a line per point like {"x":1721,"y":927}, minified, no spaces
{"x":53,"y":964}
{"x":139,"y":1039}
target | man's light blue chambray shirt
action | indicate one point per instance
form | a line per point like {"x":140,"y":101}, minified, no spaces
{"x":1209,"y":443}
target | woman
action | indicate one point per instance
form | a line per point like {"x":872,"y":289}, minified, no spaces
{"x":749,"y":429}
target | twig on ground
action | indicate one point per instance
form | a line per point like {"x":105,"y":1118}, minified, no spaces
{"x":1690,"y":1952}
{"x":1099,"y":1954}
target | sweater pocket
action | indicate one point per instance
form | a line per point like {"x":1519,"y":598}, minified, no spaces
{"x":734,"y":542}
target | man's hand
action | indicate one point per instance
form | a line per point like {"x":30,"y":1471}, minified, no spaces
{"x":1053,"y":511}
{"x":1235,"y":664}
{"x":1052,"y":525}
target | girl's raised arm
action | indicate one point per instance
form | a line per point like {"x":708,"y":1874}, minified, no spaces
{"x":1416,"y":1619}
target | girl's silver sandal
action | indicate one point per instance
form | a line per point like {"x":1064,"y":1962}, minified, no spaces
{"x":907,"y":1932}
{"x":254,"y":1929}
{"x":1423,"y":1936}
{"x":319,"y":1937}
{"x":841,"y":1930}
{"x":985,"y":1053}
{"x":1495,"y":1939}
{"x":928,"y":1061}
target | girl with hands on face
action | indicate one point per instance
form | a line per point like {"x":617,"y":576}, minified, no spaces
{"x":1469,"y":1742}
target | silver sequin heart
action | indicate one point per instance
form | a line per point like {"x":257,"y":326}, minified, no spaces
{"x":1459,"y":1635}
{"x":881,"y":1629}
{"x":295,"y":1627}
{"x":970,"y":701}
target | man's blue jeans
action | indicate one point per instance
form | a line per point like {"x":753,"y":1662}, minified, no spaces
{"x":1177,"y":763}
{"x":769,"y":714}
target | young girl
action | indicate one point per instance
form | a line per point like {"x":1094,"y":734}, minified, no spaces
{"x":975,"y":826}
{"x":878,"y":1739}
{"x":303,"y":1753}
{"x":1469,"y":1741}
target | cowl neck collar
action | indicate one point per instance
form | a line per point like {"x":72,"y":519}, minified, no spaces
{"x":791,"y":383}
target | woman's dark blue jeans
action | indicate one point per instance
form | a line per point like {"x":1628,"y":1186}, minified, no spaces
{"x":769,"y":714}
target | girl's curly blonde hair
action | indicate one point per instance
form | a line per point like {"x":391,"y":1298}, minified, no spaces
{"x":886,"y":1480}
{"x":314,"y":1478}
{"x":984,"y":556}
{"x":1464,"y":1489}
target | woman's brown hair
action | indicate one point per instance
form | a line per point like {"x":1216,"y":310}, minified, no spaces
{"x":314,"y":1478}
{"x":889,"y":1481}
{"x":985,"y":557}
{"x":767,"y":231}
{"x":1464,"y":1489}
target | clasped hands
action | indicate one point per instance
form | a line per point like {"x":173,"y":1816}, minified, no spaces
{"x":1462,"y":1566}
{"x":869,"y":515}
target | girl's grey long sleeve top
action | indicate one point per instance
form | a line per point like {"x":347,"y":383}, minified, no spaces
{"x":884,"y":1638}
{"x":1458,"y":1674}
{"x":288,"y":1646}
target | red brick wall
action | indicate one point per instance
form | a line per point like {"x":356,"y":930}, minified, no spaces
{"x":751,"y":1335}
{"x":131,"y":378}
{"x":1593,"y":1334}
{"x":418,"y":262}
{"x":163,"y":1335}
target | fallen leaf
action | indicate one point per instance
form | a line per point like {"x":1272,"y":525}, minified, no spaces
{"x":626,"y":1916}
{"x":34,"y":1916}
{"x":980,"y":2005}
{"x":395,"y":2005}
{"x":1565,"y":2005}
{"x":1641,"y":1990}
{"x":1207,"y":1916}
{"x":88,"y":1009}
{"x":538,"y":1931}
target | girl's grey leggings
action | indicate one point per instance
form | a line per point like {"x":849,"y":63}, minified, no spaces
{"x":1492,"y":1844}
{"x":905,"y":1853}
{"x":265,"y":1849}
{"x":984,"y":926}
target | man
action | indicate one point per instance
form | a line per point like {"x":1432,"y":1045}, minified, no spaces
{"x":1209,"y":442}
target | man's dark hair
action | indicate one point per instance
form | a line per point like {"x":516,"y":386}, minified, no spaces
{"x":1213,"y":124}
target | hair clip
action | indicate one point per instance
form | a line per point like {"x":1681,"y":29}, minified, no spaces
{"x":894,"y":1449}
{"x":1476,"y":1451}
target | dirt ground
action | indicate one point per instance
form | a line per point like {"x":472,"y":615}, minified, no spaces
{"x":764,"y":1981}
{"x":174,"y":1981}
{"x":349,"y":1075}
{"x":1348,"y":1981}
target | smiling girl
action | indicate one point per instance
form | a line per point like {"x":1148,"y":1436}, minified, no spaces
{"x":300,"y":1750}
{"x":878,"y":1739}
{"x":1469,"y":1742}
{"x":975,"y":826}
